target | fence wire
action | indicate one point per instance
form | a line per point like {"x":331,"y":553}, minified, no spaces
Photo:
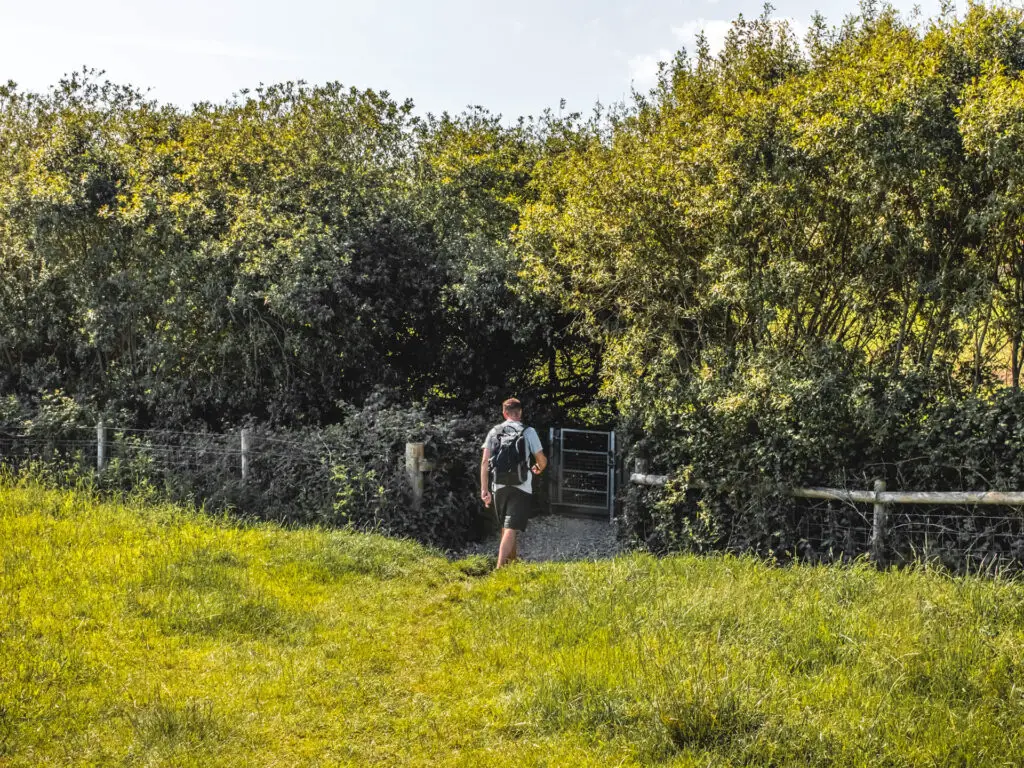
{"x":961,"y":537}
{"x":291,"y":479}
{"x":285,"y":478}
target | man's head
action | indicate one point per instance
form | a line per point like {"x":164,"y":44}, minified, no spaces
{"x":512,"y":409}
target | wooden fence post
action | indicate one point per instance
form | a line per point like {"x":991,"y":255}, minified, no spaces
{"x":414,"y":471}
{"x":101,"y":446}
{"x":246,"y":443}
{"x":878,"y":525}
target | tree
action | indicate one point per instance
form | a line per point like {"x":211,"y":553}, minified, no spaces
{"x":992,"y":124}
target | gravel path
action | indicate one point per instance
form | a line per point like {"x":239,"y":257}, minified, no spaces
{"x":555,"y":537}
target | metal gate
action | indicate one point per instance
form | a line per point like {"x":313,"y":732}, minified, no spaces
{"x":584,"y":476}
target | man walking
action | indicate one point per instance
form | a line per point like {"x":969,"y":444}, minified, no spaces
{"x":506,"y":463}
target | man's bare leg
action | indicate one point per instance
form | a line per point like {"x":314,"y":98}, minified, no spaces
{"x":507,"y":549}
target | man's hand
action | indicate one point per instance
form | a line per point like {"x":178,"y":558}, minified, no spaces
{"x":536,"y":470}
{"x":485,"y":495}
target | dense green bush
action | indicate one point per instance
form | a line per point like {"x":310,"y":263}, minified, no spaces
{"x":353,"y":473}
{"x":740,"y":441}
{"x":824,"y":419}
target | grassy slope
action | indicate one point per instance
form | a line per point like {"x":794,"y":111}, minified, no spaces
{"x":134,"y":635}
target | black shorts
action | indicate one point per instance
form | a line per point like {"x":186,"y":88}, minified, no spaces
{"x":513,"y":506}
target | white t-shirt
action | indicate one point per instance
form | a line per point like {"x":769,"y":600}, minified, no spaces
{"x":532,"y":445}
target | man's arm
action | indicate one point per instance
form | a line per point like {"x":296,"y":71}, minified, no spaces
{"x":539,"y":459}
{"x":540,"y":462}
{"x":485,"y":490}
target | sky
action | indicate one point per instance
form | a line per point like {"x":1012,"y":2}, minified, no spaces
{"x":514,"y":58}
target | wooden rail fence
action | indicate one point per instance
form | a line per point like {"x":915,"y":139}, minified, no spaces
{"x":879,"y":497}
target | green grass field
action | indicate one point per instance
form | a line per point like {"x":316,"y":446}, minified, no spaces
{"x":139,"y":635}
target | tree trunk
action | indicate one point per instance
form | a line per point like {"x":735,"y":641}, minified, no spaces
{"x":1015,"y":362}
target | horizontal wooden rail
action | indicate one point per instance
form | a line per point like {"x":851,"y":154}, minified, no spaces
{"x":999,"y":498}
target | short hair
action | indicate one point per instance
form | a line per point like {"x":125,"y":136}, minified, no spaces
{"x":512,"y":406}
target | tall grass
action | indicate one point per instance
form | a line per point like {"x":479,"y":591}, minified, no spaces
{"x":135,"y":634}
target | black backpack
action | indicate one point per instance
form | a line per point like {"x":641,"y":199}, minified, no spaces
{"x":510,"y":459}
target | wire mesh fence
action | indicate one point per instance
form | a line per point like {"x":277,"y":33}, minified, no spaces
{"x":971,"y":538}
{"x":962,"y":538}
{"x":295,"y":476}
{"x":890,"y":527}
{"x":217,"y":470}
{"x":351,"y":475}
